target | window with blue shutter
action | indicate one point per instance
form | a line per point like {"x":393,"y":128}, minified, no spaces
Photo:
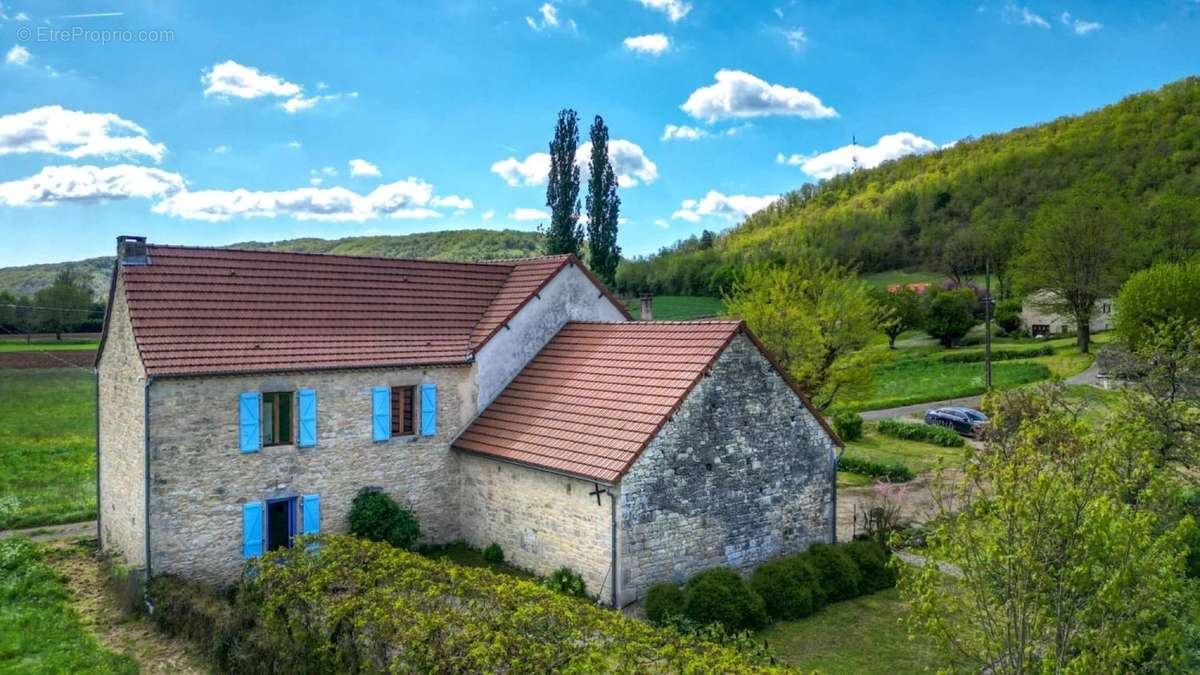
{"x":428,"y":409}
{"x":252,"y":529}
{"x":307,"y":402}
{"x":312,"y":514}
{"x":381,"y":414}
{"x":249,"y":409}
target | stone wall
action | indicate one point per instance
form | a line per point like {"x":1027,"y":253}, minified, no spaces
{"x":742,"y":473}
{"x":542,"y":520}
{"x":200,"y":479}
{"x":122,"y":437}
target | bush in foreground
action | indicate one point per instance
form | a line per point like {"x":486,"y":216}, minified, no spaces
{"x":567,"y":581}
{"x":789,"y":587}
{"x":377,"y":517}
{"x":839,"y":576}
{"x":719,"y":595}
{"x":664,"y":603}
{"x":925,"y":433}
{"x":871,"y":558}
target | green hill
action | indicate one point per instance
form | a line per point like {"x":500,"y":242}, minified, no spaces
{"x":447,"y":245}
{"x":983,"y":193}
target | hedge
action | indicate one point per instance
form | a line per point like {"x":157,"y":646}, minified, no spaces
{"x":997,"y":355}
{"x":848,"y":425}
{"x":789,"y":586}
{"x":915,"y":431}
{"x":719,"y":595}
{"x":891,"y":473}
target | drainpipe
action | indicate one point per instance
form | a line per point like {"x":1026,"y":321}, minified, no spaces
{"x":612,"y":500}
{"x":146,"y":471}
{"x":836,"y":459}
{"x":99,"y":511}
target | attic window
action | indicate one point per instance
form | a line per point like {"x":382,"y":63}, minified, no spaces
{"x":403,"y":411}
{"x":277,"y":418}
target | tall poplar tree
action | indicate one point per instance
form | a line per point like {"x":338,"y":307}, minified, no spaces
{"x":603,"y":208}
{"x":562,"y":190}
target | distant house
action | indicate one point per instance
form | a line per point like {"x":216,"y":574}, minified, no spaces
{"x":1040,"y":321}
{"x":918,"y":287}
{"x":246,"y":397}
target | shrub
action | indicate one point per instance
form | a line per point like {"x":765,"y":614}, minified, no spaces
{"x":848,"y":426}
{"x":872,"y":561}
{"x":230,"y":635}
{"x":789,"y":587}
{"x":839,"y":576}
{"x":567,"y":581}
{"x":493,"y":553}
{"x":915,"y":431}
{"x":976,"y":356}
{"x":663,"y":604}
{"x":1151,"y":297}
{"x":892,"y":473}
{"x":377,"y":517}
{"x":1008,"y":316}
{"x":719,"y":595}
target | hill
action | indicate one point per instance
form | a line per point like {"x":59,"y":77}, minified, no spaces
{"x":447,"y":245}
{"x":979,"y":195}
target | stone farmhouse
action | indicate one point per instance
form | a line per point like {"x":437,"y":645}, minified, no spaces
{"x":1041,"y":321}
{"x":246,"y":397}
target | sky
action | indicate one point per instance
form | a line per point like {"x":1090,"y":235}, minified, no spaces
{"x":209,"y":123}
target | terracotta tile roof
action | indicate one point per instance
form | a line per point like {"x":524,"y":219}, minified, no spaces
{"x":597,"y":394}
{"x":209,"y":310}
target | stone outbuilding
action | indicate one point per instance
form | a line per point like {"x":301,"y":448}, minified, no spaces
{"x":246,"y":397}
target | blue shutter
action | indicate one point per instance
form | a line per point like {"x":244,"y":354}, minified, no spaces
{"x":428,"y":409}
{"x":308,"y":417}
{"x":252,"y":529}
{"x":381,"y":413}
{"x":250,"y":407}
{"x":312,"y":514}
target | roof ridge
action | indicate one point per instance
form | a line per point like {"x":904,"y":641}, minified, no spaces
{"x":691,"y":322}
{"x":533,"y":258}
{"x":342,"y":256}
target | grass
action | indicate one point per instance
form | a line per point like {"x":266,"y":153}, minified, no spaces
{"x":864,"y":635}
{"x":467,"y":556}
{"x":47,"y":447}
{"x":911,"y":381}
{"x":885,"y":279}
{"x":53,"y":346}
{"x":917,"y":456}
{"x":679,"y":307}
{"x":39,"y":630}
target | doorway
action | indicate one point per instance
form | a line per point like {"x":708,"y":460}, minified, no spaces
{"x":281,"y":523}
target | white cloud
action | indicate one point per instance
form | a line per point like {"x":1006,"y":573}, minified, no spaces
{"x":316,"y":182}
{"x":682,"y":132}
{"x":843,"y":159}
{"x":233,"y":79}
{"x":549,"y":18}
{"x":1014,"y":13}
{"x":629,"y":161}
{"x":56,"y":131}
{"x":54,"y":184}
{"x":730,"y":207}
{"x":452,"y":202}
{"x":662,"y":223}
{"x":674,"y":9}
{"x":654,"y":44}
{"x":361,"y":167}
{"x":796,"y":38}
{"x":328,"y":171}
{"x":528,"y":214}
{"x":294,"y":144}
{"x":530,"y":171}
{"x":487,"y":215}
{"x":220,"y":150}
{"x":1080,"y":26}
{"x":297,"y":103}
{"x":17,"y":56}
{"x":740,"y":94}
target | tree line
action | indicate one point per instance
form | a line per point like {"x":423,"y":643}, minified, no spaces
{"x":65,"y":306}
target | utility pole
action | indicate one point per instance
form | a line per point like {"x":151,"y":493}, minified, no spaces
{"x":987,"y":325}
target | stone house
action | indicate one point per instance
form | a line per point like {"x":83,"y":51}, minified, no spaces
{"x":246,"y":397}
{"x":1042,"y":321}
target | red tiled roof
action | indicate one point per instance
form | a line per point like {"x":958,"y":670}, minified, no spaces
{"x":208,"y":310}
{"x":597,"y":393}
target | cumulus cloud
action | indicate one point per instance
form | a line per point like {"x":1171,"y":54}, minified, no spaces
{"x":674,"y":9}
{"x":629,"y":162}
{"x":662,"y":223}
{"x":730,"y":207}
{"x":361,"y":167}
{"x":682,"y":132}
{"x":1014,"y":13}
{"x":654,"y":44}
{"x":487,"y":215}
{"x":232,"y":79}
{"x":53,"y":130}
{"x":17,"y":56}
{"x":529,"y":171}
{"x":297,"y":103}
{"x":845,"y":158}
{"x":1080,"y":26}
{"x":55,"y":184}
{"x":452,"y":202}
{"x":528,"y":214}
{"x":739,"y":94}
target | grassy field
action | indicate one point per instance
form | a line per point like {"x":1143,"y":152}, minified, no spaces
{"x":47,"y":447}
{"x":64,"y":346}
{"x":39,"y":631}
{"x":885,"y":279}
{"x":679,"y":307}
{"x":917,"y":456}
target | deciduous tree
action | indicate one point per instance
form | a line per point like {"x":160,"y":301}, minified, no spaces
{"x":63,"y":303}
{"x":905,"y":310}
{"x":951,"y":315}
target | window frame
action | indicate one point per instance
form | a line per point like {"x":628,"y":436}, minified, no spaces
{"x":274,"y":397}
{"x":396,"y":407}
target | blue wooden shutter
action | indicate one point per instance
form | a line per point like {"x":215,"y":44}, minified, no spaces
{"x":308,"y":417}
{"x":381,"y":413}
{"x":312,"y":514}
{"x":249,"y":410}
{"x":252,"y":529}
{"x":428,"y":409}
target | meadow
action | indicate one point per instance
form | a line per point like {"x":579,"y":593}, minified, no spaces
{"x":679,"y":307}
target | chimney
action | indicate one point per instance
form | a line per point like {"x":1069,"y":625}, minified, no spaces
{"x":647,"y":307}
{"x":131,"y":250}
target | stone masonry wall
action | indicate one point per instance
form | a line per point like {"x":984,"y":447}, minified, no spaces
{"x":542,"y":520}
{"x":122,"y":437}
{"x":742,"y":473}
{"x":199,"y":478}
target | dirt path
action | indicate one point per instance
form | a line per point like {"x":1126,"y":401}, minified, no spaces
{"x":46,"y":533}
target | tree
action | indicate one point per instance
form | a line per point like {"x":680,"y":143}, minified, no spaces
{"x":1152,"y":297}
{"x":951,"y":314}
{"x":963,"y":254}
{"x":904,"y":309}
{"x":562,"y":188}
{"x":816,"y":317}
{"x":603,"y":207}
{"x":1075,"y":253}
{"x":64,"y":303}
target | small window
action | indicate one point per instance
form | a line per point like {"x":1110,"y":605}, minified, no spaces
{"x":1039,"y":329}
{"x":403,"y":411}
{"x":277,"y":418}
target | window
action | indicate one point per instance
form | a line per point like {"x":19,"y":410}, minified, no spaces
{"x":277,"y":418}
{"x":1039,"y":329}
{"x":403,"y":411}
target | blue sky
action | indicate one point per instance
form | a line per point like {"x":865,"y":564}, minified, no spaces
{"x":214,"y":122}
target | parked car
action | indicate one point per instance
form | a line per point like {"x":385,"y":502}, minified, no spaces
{"x":965,"y":421}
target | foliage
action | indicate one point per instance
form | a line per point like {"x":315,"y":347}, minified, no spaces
{"x":872,"y":560}
{"x":915,"y":431}
{"x":230,"y":635}
{"x":816,"y":317}
{"x":976,"y":356}
{"x":884,"y":511}
{"x":603,"y":208}
{"x":567,"y":581}
{"x":839,"y":576}
{"x":493,"y":554}
{"x":892,"y":473}
{"x":1008,"y":316}
{"x":1153,"y":296}
{"x":789,"y":587}
{"x":848,"y":425}
{"x":719,"y":595}
{"x":950,"y":315}
{"x":564,"y":234}
{"x":374,"y":515}
{"x":62,"y":304}
{"x":664,"y":603}
{"x":39,"y":630}
{"x":909,"y":381}
{"x":904,"y":309}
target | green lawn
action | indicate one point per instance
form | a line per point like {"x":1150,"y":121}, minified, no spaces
{"x":679,"y":307}
{"x":911,"y":381}
{"x":462,"y":554}
{"x":917,"y":456}
{"x":865,"y":635}
{"x":39,"y":631}
{"x":43,"y":346}
{"x":47,"y":447}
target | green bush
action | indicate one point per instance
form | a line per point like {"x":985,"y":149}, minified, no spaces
{"x":493,"y":553}
{"x":1008,"y":316}
{"x":950,"y":315}
{"x":848,"y":426}
{"x":976,"y":356}
{"x":1154,"y":296}
{"x":872,"y":561}
{"x":890,"y":473}
{"x":664,"y":603}
{"x":231,"y":638}
{"x":719,"y":595}
{"x":789,"y":587}
{"x":567,"y":581}
{"x":916,"y":431}
{"x":377,"y":517}
{"x":839,"y":576}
